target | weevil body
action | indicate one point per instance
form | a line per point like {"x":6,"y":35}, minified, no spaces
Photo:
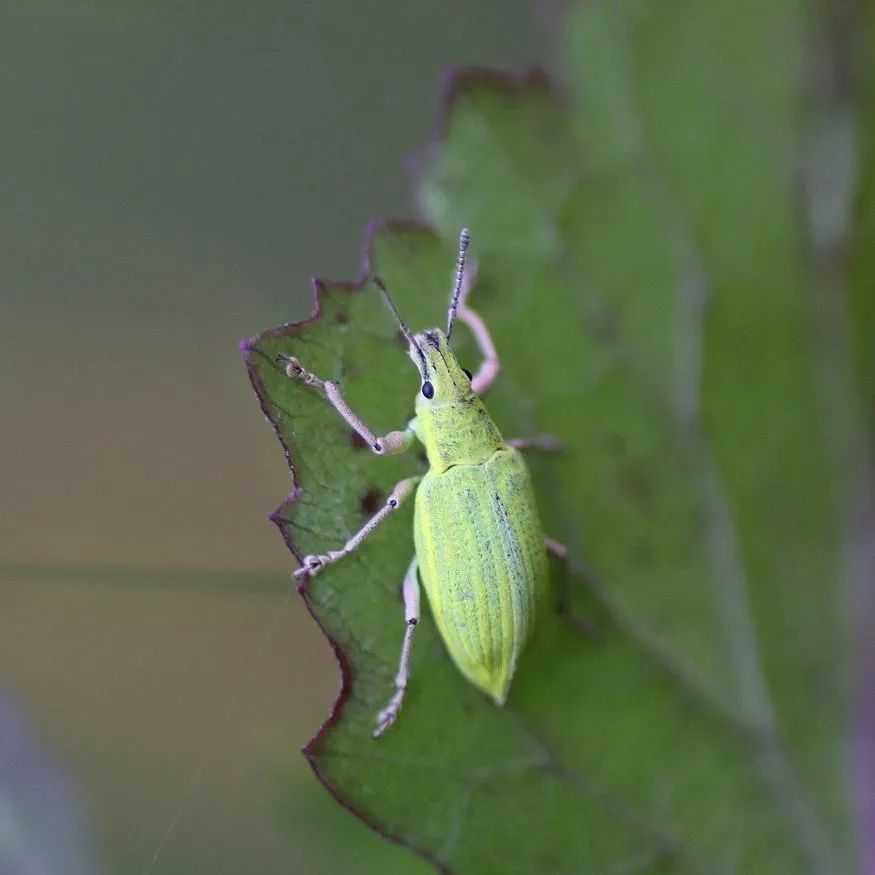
{"x":480,"y":549}
{"x":479,"y":543}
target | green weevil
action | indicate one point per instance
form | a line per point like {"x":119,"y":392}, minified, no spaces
{"x":480,"y":550}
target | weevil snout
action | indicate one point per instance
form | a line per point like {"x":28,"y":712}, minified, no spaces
{"x":444,"y":380}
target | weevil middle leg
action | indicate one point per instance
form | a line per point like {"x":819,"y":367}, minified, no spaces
{"x":410,"y":590}
{"x":547,"y":443}
{"x":315,"y":562}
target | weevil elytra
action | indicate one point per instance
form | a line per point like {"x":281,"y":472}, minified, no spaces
{"x":480,"y":550}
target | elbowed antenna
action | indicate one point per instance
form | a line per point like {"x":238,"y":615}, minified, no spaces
{"x":464,"y":242}
{"x":401,"y":323}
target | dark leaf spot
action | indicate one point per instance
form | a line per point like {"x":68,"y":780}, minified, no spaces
{"x":341,"y":317}
{"x":371,"y":501}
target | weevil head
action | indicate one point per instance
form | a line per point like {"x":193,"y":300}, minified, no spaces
{"x":451,"y":420}
{"x":443,"y":380}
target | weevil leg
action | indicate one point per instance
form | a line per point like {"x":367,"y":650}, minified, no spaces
{"x":557,"y":548}
{"x":410,"y":590}
{"x":490,"y":367}
{"x":388,"y":444}
{"x":491,"y":364}
{"x":314,"y":563}
{"x":547,"y":443}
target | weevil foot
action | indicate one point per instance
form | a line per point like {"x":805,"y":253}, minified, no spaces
{"x":291,"y":365}
{"x":296,"y":371}
{"x":389,"y":714}
{"x":314,"y":563}
{"x":311,"y":566}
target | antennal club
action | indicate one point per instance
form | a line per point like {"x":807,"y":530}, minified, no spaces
{"x":464,"y":242}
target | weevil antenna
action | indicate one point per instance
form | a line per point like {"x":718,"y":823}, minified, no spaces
{"x":464,"y":242}
{"x":401,"y":323}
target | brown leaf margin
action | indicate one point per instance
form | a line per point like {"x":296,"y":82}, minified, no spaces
{"x":457,"y":84}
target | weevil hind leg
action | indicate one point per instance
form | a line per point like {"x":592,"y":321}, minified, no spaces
{"x":410,"y":591}
{"x":388,"y":444}
{"x":315,"y":562}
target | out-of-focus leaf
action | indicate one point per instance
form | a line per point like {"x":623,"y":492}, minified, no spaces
{"x":858,"y":118}
{"x":648,"y":276}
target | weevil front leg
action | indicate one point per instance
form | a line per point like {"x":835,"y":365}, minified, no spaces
{"x":388,"y":444}
{"x":315,"y":562}
{"x":410,"y":590}
{"x":490,"y":367}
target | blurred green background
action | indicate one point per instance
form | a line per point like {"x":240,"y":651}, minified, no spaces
{"x":173,"y":174}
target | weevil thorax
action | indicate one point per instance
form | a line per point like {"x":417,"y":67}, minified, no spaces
{"x":453,"y":424}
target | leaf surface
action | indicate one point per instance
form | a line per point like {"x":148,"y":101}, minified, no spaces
{"x":655,"y":300}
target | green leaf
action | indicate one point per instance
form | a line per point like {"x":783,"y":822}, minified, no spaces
{"x":655,"y":299}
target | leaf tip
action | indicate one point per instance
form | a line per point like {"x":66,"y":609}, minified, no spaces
{"x":457,"y":82}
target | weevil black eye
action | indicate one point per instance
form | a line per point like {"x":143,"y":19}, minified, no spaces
{"x":428,"y":389}
{"x":468,"y":374}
